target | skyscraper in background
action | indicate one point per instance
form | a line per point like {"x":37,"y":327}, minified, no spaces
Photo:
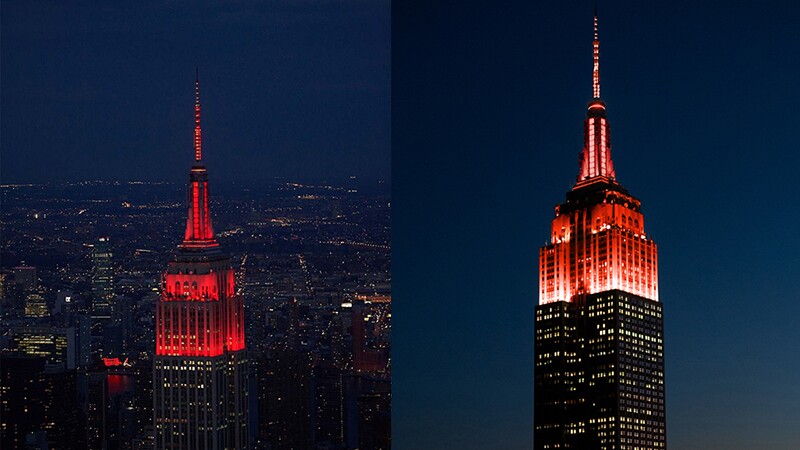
{"x":56,"y":344}
{"x":200,"y":367}
{"x":102,"y":279}
{"x":599,"y":367}
{"x":39,"y":397}
{"x":26,"y":277}
{"x":36,"y":305}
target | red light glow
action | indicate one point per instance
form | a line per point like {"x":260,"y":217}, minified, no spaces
{"x":115,"y":362}
{"x":596,"y":66}
{"x":198,"y":138}
{"x":596,"y":249}
{"x":596,"y":154}
{"x":199,"y":313}
{"x":199,"y":232}
{"x":597,"y":240}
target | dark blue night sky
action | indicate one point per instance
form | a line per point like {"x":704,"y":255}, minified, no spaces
{"x":488,"y":109}
{"x":299,"y":90}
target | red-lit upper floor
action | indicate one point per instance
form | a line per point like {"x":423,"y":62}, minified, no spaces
{"x":598,"y":243}
{"x":199,"y":233}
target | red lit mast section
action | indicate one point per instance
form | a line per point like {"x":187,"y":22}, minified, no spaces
{"x":199,"y":313}
{"x":597,"y":240}
{"x":198,"y":149}
{"x":596,"y":154}
{"x":199,"y":233}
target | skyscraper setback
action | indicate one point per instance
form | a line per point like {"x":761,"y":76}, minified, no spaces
{"x":599,"y":370}
{"x":200,"y":367}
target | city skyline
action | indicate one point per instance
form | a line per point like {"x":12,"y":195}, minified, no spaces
{"x":340,"y":234}
{"x":113,"y":338}
{"x":139,"y":350}
{"x":350,"y":166}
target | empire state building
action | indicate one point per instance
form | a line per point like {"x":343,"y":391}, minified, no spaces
{"x":599,"y":363}
{"x":200,"y":367}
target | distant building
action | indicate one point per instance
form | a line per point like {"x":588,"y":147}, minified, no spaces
{"x":64,"y":300}
{"x":284,"y":391}
{"x":36,"y":305}
{"x":371,"y":324}
{"x":375,"y":421}
{"x":39,"y":399}
{"x":143,"y":403}
{"x":102,"y":279}
{"x":55,"y":344}
{"x":329,"y":405}
{"x":82,"y":323}
{"x":98,"y":420}
{"x":113,"y":340}
{"x":26,"y":277}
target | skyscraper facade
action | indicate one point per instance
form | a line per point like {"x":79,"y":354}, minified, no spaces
{"x":26,"y":277}
{"x":39,"y":397}
{"x":599,"y":364}
{"x":102,"y":279}
{"x":56,"y":344}
{"x":200,"y":367}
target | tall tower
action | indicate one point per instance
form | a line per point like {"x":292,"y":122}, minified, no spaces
{"x":102,"y":279}
{"x":599,"y":367}
{"x":200,"y":367}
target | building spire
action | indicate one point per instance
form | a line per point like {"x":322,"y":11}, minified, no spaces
{"x":198,"y":138}
{"x":199,"y":234}
{"x":596,"y":53}
{"x":595,"y":159}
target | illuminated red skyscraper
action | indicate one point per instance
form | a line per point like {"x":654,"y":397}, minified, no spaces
{"x":599,"y":377}
{"x":200,"y":367}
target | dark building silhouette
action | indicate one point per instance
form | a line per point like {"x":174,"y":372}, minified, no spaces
{"x":369,"y":353}
{"x":102,"y":280}
{"x":329,"y":404}
{"x":284,"y":383}
{"x":41,"y":399}
{"x":98,"y":420}
{"x":82,"y":323}
{"x":143,"y":401}
{"x":599,"y":373}
{"x":26,"y":277}
{"x":375,"y":421}
{"x":56,"y":344}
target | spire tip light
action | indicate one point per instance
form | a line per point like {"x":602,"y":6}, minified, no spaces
{"x":198,"y":150}
{"x":596,"y":54}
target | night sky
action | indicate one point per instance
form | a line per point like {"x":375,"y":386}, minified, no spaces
{"x":488,"y":108}
{"x":298,"y":90}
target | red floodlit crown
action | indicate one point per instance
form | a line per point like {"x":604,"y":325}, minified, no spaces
{"x":597,"y":240}
{"x":598,"y":248}
{"x":199,"y":313}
